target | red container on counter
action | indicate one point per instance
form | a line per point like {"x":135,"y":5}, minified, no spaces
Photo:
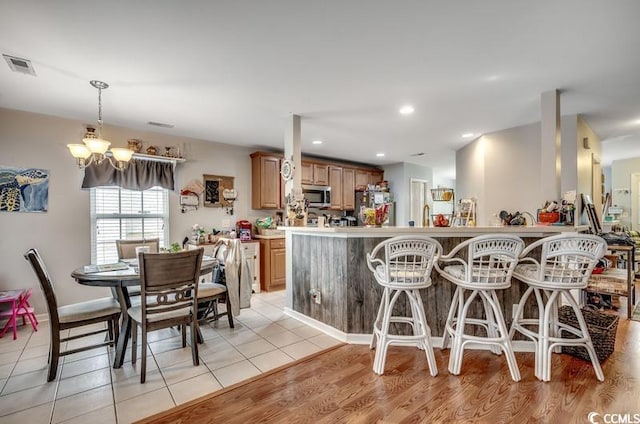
{"x":243,"y":229}
{"x":548,"y":217}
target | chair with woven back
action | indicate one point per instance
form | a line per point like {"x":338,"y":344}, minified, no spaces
{"x":105,"y":310}
{"x":169,"y":289}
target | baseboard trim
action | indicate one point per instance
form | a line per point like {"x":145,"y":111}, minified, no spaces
{"x":365,"y":339}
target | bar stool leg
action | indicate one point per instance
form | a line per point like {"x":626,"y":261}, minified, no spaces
{"x":457,"y":347}
{"x":504,"y":335}
{"x":585,"y":331}
{"x":424,"y":330}
{"x":455,"y":306}
{"x":382,"y":344}
{"x":492,"y":325}
{"x":377,"y":323}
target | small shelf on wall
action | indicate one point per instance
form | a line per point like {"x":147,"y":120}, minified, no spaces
{"x":158,"y":158}
{"x":153,"y":158}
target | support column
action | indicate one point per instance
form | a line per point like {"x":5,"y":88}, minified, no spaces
{"x":550,"y":143}
{"x":293,"y":150}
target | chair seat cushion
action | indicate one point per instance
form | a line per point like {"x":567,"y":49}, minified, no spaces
{"x":135,"y":312}
{"x":456,"y":271}
{"x":88,"y":310}
{"x":210,"y":289}
{"x":485,"y":275}
{"x":402,"y":275}
{"x":564,"y":275}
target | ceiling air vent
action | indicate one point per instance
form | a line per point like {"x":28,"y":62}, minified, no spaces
{"x":160,"y":124}
{"x":17,"y":64}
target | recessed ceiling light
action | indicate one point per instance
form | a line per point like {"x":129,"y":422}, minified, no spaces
{"x":406,"y":110}
{"x":380,"y":155}
{"x":467,"y":135}
{"x":316,"y":142}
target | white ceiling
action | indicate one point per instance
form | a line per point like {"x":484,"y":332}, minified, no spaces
{"x":231,"y":71}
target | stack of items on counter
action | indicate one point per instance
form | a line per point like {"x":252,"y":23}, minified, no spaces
{"x":556,"y":213}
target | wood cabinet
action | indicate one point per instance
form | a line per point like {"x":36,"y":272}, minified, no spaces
{"x":306,"y":173}
{"x":348,"y":189}
{"x":314,"y":173}
{"x":375,"y":177}
{"x":273,"y":269}
{"x":335,"y":182}
{"x":365,"y":177}
{"x":252,"y":258}
{"x":362,"y":179}
{"x":266,"y":183}
{"x":267,"y":187}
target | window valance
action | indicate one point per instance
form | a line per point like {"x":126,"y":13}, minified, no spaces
{"x":139,"y":175}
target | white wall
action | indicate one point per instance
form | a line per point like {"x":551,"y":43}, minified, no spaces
{"x":512,"y":170}
{"x":470,"y":175}
{"x":62,"y":235}
{"x":502,"y":169}
{"x":399,"y":176}
{"x":621,"y":188}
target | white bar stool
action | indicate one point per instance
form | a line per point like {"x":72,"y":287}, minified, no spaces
{"x":490,"y":262}
{"x":566,"y":262}
{"x":405,"y":267}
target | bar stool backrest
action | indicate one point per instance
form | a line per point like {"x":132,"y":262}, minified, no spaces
{"x":568,"y":259}
{"x":406,"y":261}
{"x":493,"y":259}
{"x":484,"y":262}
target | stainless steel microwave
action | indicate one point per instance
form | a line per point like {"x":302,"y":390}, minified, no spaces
{"x":318,"y":196}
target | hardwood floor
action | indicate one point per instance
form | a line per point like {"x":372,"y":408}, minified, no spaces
{"x":340,"y":386}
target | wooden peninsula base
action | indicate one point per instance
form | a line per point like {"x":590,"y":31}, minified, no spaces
{"x":332,"y":261}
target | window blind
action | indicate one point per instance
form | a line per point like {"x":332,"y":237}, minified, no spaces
{"x":117,"y":213}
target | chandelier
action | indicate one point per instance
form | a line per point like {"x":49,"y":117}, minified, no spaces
{"x":95,"y":148}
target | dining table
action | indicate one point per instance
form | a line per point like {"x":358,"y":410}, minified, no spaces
{"x":119,"y":281}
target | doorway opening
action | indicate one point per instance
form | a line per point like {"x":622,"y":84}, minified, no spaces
{"x":420,"y":196}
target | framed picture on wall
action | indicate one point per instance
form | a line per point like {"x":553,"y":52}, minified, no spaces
{"x":214,"y":185}
{"x":24,"y":189}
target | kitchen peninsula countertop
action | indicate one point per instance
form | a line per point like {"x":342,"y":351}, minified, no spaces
{"x":524,"y":230}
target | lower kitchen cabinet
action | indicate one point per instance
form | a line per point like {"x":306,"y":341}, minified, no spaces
{"x":252,"y":257}
{"x":273,"y":265}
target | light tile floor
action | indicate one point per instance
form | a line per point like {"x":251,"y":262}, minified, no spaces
{"x":90,"y":390}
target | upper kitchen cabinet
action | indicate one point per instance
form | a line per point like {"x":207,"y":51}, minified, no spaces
{"x":335,"y":182}
{"x":266,"y":190}
{"x":348,"y":189}
{"x":314,"y":173}
{"x":267,"y":186}
{"x":365,"y":177}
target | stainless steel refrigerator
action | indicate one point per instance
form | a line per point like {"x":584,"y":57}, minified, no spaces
{"x":372,"y":199}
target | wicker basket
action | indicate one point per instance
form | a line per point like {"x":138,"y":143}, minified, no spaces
{"x":442,"y":194}
{"x":602,"y":329}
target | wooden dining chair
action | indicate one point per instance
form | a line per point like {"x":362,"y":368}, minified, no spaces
{"x":127,"y":250}
{"x":105,"y":310}
{"x":169,"y":285}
